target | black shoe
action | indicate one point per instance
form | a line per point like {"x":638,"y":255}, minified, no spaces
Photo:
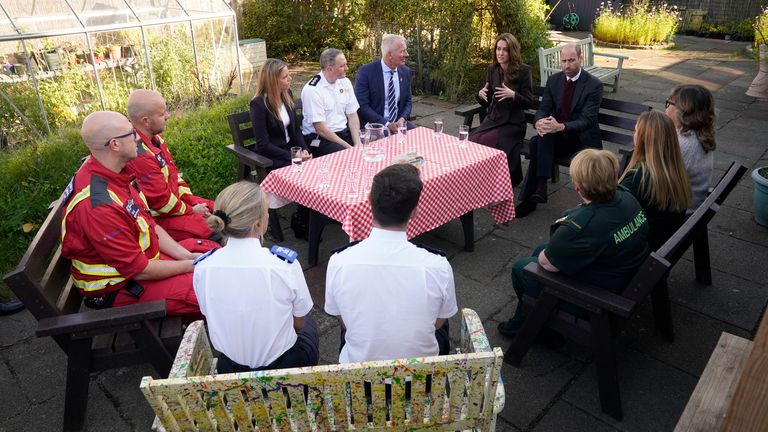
{"x":540,"y":196}
{"x":524,"y":208}
{"x":510,"y":327}
{"x":9,"y":307}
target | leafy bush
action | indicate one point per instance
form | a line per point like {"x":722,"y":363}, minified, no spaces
{"x":33,"y":176}
{"x":761,"y":28}
{"x":637,"y":23}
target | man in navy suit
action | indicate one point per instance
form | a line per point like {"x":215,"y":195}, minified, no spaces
{"x":383,"y":86}
{"x":566,"y":122}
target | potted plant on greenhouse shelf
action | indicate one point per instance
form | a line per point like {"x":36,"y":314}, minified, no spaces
{"x":51,"y":55}
{"x":759,"y":86}
{"x":115,"y":52}
{"x":760,"y":176}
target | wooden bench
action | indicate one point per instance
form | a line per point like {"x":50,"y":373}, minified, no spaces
{"x":93,"y":340}
{"x":617,"y":121}
{"x":602,"y":306}
{"x":549,"y":63}
{"x":454,"y":392}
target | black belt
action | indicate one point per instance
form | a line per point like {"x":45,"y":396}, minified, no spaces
{"x":237,"y":367}
{"x":101,"y":302}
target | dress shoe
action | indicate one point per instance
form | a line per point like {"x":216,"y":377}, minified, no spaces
{"x":540,"y":196}
{"x":9,"y":307}
{"x":524,"y":208}
{"x":510,"y":327}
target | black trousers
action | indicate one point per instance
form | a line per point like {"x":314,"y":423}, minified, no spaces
{"x":305,"y":352}
{"x":542,"y":152}
{"x":327,"y":147}
{"x":441,"y":334}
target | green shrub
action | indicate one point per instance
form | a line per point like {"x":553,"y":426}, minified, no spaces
{"x":33,"y":176}
{"x":761,"y":28}
{"x":637,"y":23}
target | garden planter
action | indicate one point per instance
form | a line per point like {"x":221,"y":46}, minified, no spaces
{"x":52,"y":59}
{"x":759,"y":86}
{"x":115,"y":52}
{"x":760,"y":176}
{"x":127,"y":51}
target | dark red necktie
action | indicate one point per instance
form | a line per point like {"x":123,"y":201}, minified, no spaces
{"x":565,"y":101}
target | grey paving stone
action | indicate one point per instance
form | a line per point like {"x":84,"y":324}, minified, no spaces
{"x":739,"y":223}
{"x":329,"y":346}
{"x":505,"y":426}
{"x":490,"y":256}
{"x":13,"y":401}
{"x":565,"y":417}
{"x":653,"y":394}
{"x":40,"y":367}
{"x":731,"y":299}
{"x":485,"y":299}
{"x":16,"y":328}
{"x":121,"y":386}
{"x":453,"y":231}
{"x":738,"y":258}
{"x":696,"y":336}
{"x":734,"y":139}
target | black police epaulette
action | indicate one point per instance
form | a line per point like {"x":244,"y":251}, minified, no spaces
{"x":430,"y":250}
{"x":286,"y":254}
{"x":68,"y":190}
{"x":315,"y":79}
{"x":348,"y":245}
{"x":204,"y":256}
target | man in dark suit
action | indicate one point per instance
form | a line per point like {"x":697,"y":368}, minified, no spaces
{"x":383,"y":86}
{"x":566,"y":123}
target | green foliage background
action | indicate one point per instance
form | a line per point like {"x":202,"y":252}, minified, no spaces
{"x":33,"y":176}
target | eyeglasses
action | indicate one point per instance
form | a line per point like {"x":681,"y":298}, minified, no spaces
{"x":132,"y":132}
{"x":667,"y":103}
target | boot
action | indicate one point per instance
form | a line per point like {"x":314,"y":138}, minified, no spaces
{"x":540,"y":195}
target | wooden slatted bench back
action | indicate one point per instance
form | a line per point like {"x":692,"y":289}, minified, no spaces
{"x":455,"y":392}
{"x":549,"y":62}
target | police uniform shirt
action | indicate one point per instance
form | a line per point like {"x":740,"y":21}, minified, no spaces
{"x":389,"y":293}
{"x":602,"y":244}
{"x":249,"y":298}
{"x":329,"y":103}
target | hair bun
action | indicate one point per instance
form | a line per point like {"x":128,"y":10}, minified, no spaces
{"x":223,"y":216}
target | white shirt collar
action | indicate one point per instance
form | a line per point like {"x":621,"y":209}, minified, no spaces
{"x":324,"y":81}
{"x":235,"y":242}
{"x":387,"y":235}
{"x":575,"y":77}
{"x":386,"y":68}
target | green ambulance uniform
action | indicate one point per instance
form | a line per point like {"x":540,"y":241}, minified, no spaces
{"x":602,"y":244}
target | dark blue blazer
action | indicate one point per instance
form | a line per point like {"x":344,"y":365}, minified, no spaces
{"x":371,"y":92}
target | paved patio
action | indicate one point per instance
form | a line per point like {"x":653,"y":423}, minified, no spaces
{"x":555,"y":390}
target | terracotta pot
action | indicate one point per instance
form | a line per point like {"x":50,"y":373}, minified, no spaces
{"x":759,"y":86}
{"x":115,"y":52}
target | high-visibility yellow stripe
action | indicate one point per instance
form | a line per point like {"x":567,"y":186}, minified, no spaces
{"x":97,"y":284}
{"x":184,"y":189}
{"x":83,"y":194}
{"x":94,"y":269}
{"x":144,"y":234}
{"x":167,"y":207}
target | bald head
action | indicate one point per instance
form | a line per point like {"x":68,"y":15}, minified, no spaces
{"x":147,"y":111}
{"x":99,"y":127}
{"x":570,"y":59}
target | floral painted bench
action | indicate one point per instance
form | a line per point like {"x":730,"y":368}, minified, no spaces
{"x":455,"y":392}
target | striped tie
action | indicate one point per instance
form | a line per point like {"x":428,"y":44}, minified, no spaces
{"x":391,"y":98}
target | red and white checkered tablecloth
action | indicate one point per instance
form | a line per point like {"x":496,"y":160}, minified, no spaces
{"x":456,"y":180}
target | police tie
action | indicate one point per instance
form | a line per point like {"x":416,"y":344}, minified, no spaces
{"x":391,"y":97}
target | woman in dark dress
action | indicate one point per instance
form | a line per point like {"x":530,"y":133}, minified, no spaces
{"x":506,"y":95}
{"x":273,"y":117}
{"x":656,"y":176}
{"x":277,"y":128}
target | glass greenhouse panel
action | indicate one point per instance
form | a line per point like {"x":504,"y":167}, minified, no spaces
{"x":216,"y":54}
{"x":153,"y":10}
{"x":197,"y":7}
{"x":41,"y":16}
{"x":173,"y":62}
{"x":121,"y":66}
{"x":99,"y":13}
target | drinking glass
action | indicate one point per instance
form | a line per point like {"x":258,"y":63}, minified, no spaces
{"x":401,"y":131}
{"x":365,"y":136}
{"x":296,"y":159}
{"x":368,"y":178}
{"x":322,"y":169}
{"x":438,"y":127}
{"x":463,"y":136}
{"x":352,"y":183}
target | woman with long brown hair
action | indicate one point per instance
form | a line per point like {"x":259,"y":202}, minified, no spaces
{"x":506,"y":95}
{"x":656,"y":176}
{"x":273,"y":117}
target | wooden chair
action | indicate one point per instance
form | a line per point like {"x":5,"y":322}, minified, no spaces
{"x":454,"y":392}
{"x":93,"y":340}
{"x":603,"y":306}
{"x":250,"y":162}
{"x":617,"y":121}
{"x":549,"y":63}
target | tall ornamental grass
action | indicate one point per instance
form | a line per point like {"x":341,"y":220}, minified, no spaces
{"x":637,"y":23}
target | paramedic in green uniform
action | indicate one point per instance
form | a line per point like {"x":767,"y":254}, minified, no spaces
{"x":601,"y":242}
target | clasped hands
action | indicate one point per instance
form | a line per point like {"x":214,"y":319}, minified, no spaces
{"x":548,"y":125}
{"x":394,"y":125}
{"x":499,"y":93}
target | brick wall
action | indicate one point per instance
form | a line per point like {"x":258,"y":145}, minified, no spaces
{"x":723,"y":10}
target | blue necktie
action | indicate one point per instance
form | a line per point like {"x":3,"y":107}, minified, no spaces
{"x":391,"y":97}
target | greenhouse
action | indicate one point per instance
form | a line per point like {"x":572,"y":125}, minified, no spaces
{"x":62,"y":59}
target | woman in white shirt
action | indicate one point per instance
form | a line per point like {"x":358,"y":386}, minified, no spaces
{"x":256,"y":303}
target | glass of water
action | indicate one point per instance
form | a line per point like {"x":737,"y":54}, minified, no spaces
{"x":353,"y":183}
{"x":438,"y":127}
{"x":322,"y":169}
{"x":463,"y":136}
{"x":365,"y":137}
{"x":296,"y":159}
{"x":402,"y":129}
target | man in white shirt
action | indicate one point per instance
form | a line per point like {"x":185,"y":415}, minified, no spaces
{"x":330,"y":107}
{"x":392,"y":298}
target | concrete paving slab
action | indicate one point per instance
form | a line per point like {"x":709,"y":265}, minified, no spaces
{"x":16,"y":328}
{"x":653,"y":394}
{"x":695,"y":338}
{"x":738,"y":258}
{"x":10,"y":406}
{"x":40,"y":368}
{"x":121,"y":387}
{"x":740,"y":224}
{"x":735,"y":139}
{"x":329,"y":346}
{"x":565,"y":417}
{"x":490,"y":257}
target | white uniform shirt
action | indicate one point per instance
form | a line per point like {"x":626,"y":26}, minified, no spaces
{"x":389,"y":294}
{"x":249,"y":298}
{"x":328,"y":103}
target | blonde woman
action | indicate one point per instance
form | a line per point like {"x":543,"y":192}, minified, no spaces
{"x":255,"y":301}
{"x":656,"y":176}
{"x":273,"y":117}
{"x":692,"y":109}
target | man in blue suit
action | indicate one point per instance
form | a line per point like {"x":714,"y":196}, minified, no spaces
{"x":383,"y":86}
